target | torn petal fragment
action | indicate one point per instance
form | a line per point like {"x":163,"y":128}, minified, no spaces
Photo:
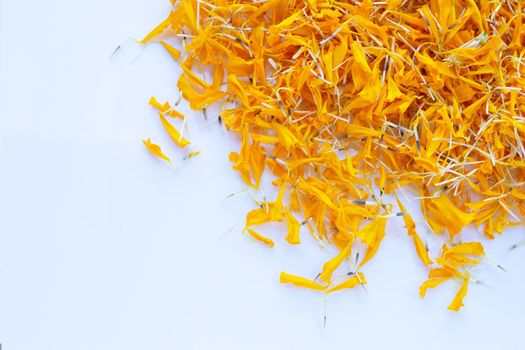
{"x":155,"y":150}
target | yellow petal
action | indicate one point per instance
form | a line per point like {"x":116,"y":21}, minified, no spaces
{"x":155,"y":150}
{"x":372,"y":231}
{"x":446,"y":213}
{"x":457,"y":303}
{"x":171,"y":50}
{"x":155,"y":103}
{"x":409,"y":222}
{"x":372,"y":235}
{"x":276,"y":212}
{"x":312,"y":190}
{"x":261,"y":238}
{"x":242,"y":166}
{"x":431,"y":283}
{"x":331,"y":265}
{"x":421,"y":250}
{"x":300,"y":281}
{"x":174,"y":133}
{"x":235,"y":88}
{"x":410,"y":225}
{"x":193,"y":154}
{"x":352,"y":282}
{"x":285,"y":135}
{"x":467,"y":248}
{"x":257,"y":216}
{"x":393,"y":90}
{"x":293,"y":228}
{"x":360,"y":57}
{"x":442,"y":272}
{"x":165,"y":108}
{"x":158,"y":30}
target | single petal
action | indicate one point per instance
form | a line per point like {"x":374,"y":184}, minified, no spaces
{"x":174,"y":133}
{"x":261,"y":238}
{"x":293,"y":228}
{"x":155,"y":150}
{"x":457,"y":303}
{"x":300,"y":282}
{"x":331,"y":265}
{"x":355,"y":280}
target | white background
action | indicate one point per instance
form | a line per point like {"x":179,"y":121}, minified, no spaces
{"x":104,"y":247}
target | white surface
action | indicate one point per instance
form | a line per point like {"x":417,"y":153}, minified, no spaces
{"x":104,"y":247}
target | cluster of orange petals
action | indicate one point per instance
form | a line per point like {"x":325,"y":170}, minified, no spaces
{"x":347,"y":102}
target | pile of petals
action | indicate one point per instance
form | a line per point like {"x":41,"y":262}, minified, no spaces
{"x":347,"y":103}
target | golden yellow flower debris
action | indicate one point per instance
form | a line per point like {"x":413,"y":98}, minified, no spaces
{"x":455,"y":263}
{"x":294,"y":228}
{"x":457,"y":303}
{"x":330,"y":266}
{"x":261,"y":238}
{"x":300,"y":282}
{"x":355,"y":280}
{"x":346,"y":102}
{"x":193,"y":154}
{"x":410,"y":225}
{"x":175,"y":135}
{"x":165,"y":109}
{"x":156,"y":150}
